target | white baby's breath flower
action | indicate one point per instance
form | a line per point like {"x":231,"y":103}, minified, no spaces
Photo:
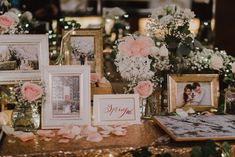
{"x":165,"y":20}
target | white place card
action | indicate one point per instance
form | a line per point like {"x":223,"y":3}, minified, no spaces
{"x":116,"y":109}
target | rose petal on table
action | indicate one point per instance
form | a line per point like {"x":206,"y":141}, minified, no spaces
{"x":46,"y":133}
{"x":119,"y":131}
{"x":107,"y":128}
{"x":104,"y":132}
{"x":85,"y":130}
{"x":94,"y":137}
{"x":26,"y":136}
{"x":76,"y":130}
{"x":64,"y":130}
{"x":70,"y":136}
{"x":63,"y":141}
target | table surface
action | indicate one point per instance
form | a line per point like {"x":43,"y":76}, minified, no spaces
{"x":137,"y":136}
{"x":114,"y":146}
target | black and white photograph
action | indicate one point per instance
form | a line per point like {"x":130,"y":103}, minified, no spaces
{"x":83,"y":50}
{"x":65,"y":96}
{"x":19,"y":57}
{"x":196,"y":128}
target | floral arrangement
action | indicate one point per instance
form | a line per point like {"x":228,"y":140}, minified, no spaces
{"x":15,"y":22}
{"x":169,"y":47}
{"x":139,"y":58}
{"x":29,"y":93}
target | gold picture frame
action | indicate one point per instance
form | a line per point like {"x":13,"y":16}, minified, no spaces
{"x":229,"y":105}
{"x":199,"y":91}
{"x":84,"y":47}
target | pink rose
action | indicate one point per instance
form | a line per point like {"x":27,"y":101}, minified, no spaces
{"x":233,"y":67}
{"x":6,"y":21}
{"x":31,"y":91}
{"x":95,"y":77}
{"x":136,"y":47}
{"x":216,"y":62}
{"x":144,"y":88}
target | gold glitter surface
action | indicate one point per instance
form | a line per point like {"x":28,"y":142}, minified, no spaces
{"x":113,"y":146}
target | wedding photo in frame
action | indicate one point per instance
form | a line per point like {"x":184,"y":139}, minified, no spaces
{"x":113,"y":109}
{"x":199,"y":91}
{"x":67,"y":96}
{"x":23,"y":53}
{"x":84,"y":47}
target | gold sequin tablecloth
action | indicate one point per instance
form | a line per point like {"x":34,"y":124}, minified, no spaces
{"x":113,"y":146}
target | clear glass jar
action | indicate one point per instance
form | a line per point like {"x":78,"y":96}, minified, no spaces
{"x":26,"y":117}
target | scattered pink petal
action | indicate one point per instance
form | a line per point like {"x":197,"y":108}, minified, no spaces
{"x":94,"y":137}
{"x":26,"y":136}
{"x":107,"y":128}
{"x":65,"y":130}
{"x":85,"y":130}
{"x":76,"y":130}
{"x":46,"y":133}
{"x":70,"y":136}
{"x":119,"y":131}
{"x":63,"y":141}
{"x":105,"y":132}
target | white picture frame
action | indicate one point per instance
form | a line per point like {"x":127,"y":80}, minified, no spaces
{"x":67,"y":96}
{"x":124,"y":109}
{"x":23,"y":54}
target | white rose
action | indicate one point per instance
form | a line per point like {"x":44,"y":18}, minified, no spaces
{"x":216,"y":62}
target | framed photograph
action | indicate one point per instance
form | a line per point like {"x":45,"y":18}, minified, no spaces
{"x":116,"y":109}
{"x":23,"y":53}
{"x":68,"y":96}
{"x":84,"y":47}
{"x":198,"y":128}
{"x":199,"y":91}
{"x":229,"y":101}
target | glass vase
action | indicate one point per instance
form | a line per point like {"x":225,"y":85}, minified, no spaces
{"x":149,"y":106}
{"x":26,"y":118}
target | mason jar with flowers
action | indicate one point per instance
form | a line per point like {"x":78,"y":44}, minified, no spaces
{"x":139,"y":60}
{"x":29,"y":97}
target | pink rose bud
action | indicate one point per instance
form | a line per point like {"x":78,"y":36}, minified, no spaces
{"x":136,"y":47}
{"x":31,"y":91}
{"x":144,"y":89}
{"x":6,"y":21}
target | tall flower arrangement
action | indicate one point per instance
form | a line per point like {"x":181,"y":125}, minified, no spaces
{"x":170,"y":47}
{"x":139,"y":58}
{"x":16,"y":22}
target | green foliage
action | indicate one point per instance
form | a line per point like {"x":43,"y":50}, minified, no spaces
{"x":71,"y":24}
{"x":211,"y":149}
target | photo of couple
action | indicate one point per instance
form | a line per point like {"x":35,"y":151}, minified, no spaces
{"x":192,"y":94}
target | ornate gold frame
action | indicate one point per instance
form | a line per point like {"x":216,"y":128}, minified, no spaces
{"x":97,"y":34}
{"x":213,"y":79}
